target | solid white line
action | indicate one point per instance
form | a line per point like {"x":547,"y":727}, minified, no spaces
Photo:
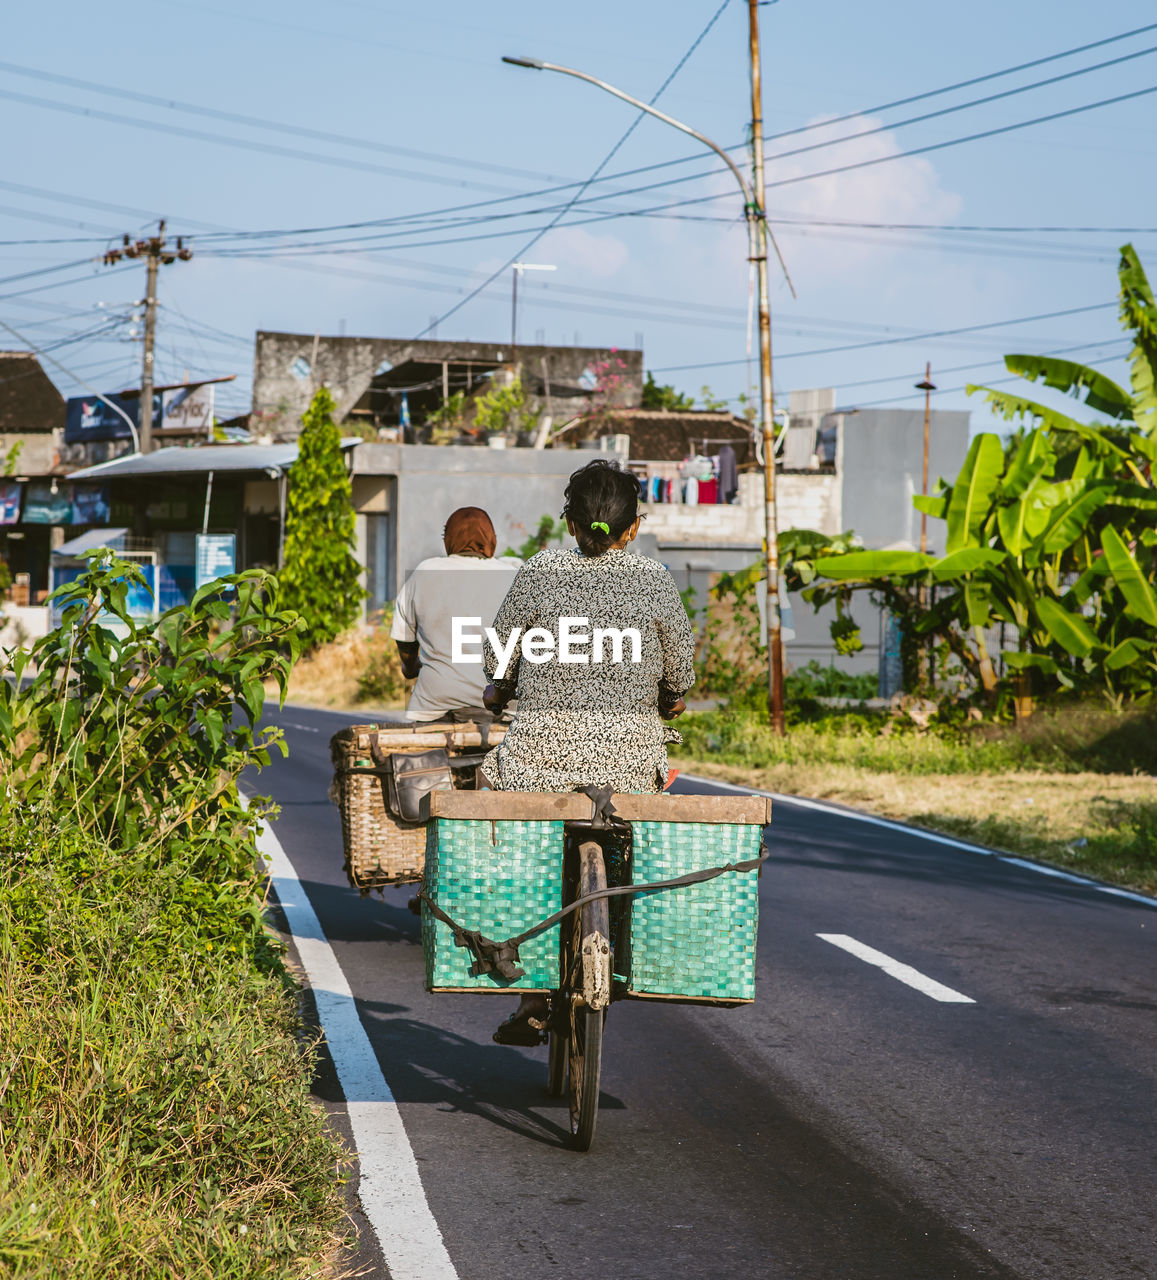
{"x":390,"y":1189}
{"x":963,"y":845}
{"x":901,"y":972}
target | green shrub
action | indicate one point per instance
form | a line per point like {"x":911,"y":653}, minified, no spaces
{"x":382,"y":679}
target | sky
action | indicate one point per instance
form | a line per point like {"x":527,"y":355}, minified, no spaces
{"x":236,"y":121}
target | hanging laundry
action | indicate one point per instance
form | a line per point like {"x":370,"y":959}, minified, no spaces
{"x":728,"y":474}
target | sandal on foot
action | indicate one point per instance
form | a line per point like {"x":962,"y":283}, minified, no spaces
{"x":524,"y":1032}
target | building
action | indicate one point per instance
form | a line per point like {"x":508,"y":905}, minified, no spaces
{"x":380,"y":383}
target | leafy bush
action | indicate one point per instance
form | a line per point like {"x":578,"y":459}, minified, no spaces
{"x":154,"y":1109}
{"x":815,"y":681}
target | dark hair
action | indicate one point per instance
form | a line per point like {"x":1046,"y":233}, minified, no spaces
{"x":600,"y":493}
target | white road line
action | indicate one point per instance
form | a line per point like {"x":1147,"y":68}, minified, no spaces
{"x":901,"y":972}
{"x":390,"y":1189}
{"x":963,"y":845}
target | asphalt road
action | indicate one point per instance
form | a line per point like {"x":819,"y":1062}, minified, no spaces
{"x":845,"y":1127}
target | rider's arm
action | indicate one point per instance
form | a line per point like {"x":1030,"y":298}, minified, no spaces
{"x":408,"y":653}
{"x":677,"y":639}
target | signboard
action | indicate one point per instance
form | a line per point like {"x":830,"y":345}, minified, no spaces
{"x":188,"y":408}
{"x":47,"y":502}
{"x":216,"y":557}
{"x":9,"y":502}
{"x":90,"y":504}
{"x":88,"y":418}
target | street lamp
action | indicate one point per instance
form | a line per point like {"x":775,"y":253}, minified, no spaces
{"x":521,"y":266}
{"x":927,"y":386}
{"x":758,"y":236}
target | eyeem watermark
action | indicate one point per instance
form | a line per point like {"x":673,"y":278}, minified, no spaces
{"x":577,"y":643}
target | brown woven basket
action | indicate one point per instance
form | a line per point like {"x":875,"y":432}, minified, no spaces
{"x":380,"y":850}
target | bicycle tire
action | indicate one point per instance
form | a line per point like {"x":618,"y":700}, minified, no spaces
{"x":585,"y":1017}
{"x":556,"y":1064}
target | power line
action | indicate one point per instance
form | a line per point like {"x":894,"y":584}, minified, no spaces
{"x":963,"y":84}
{"x":599,"y":168}
{"x":963,"y":106}
{"x":885,"y":342}
{"x":275,"y":126}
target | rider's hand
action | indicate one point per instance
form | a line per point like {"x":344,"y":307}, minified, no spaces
{"x":670,"y":708}
{"x":494,"y":701}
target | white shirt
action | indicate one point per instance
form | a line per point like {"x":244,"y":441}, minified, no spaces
{"x":440,"y":589}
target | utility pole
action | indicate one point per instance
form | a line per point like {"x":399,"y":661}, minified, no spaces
{"x":155,"y":251}
{"x":771,"y":518}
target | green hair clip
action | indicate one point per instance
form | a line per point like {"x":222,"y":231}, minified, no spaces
{"x":600,"y":524}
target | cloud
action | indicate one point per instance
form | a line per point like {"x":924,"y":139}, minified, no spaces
{"x":581,"y":253}
{"x":903,"y":190}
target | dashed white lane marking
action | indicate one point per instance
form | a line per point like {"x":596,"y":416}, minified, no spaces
{"x":901,"y":972}
{"x":390,"y":1189}
{"x":934,"y":836}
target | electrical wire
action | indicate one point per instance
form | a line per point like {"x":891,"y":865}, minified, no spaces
{"x":598,"y":169}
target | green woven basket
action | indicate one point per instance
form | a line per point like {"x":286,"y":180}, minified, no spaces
{"x":498,"y":877}
{"x":697,"y":942}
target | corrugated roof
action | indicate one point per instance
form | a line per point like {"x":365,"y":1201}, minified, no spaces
{"x":91,"y":540}
{"x":198,"y":461}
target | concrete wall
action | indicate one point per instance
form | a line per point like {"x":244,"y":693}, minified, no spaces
{"x":517,"y":487}
{"x":804,"y":501}
{"x":348,"y":365}
{"x":881,"y":453}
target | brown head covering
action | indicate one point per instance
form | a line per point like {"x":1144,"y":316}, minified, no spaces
{"x":469,"y":532}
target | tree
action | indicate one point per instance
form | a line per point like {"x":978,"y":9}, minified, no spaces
{"x":1054,"y":534}
{"x":319,"y":575}
{"x":661,"y":396}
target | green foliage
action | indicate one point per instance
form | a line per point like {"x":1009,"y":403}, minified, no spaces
{"x":503,"y":411}
{"x":448,"y":421}
{"x":137,"y":733}
{"x":319,"y":576}
{"x":661,"y":396}
{"x":12,"y":459}
{"x":1051,"y":536}
{"x":710,"y":401}
{"x":549,"y":532}
{"x":154,"y":1108}
{"x":155,"y":1116}
{"x":814,"y":680}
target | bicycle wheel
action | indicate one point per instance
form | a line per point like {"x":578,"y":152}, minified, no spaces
{"x":588,"y":996}
{"x":556,"y":1066}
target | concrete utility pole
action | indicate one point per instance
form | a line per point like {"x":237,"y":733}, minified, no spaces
{"x":155,"y":251}
{"x":758,"y":237}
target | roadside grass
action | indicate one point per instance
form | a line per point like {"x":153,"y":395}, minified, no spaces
{"x":1072,"y":787}
{"x":155,"y":1117}
{"x":360,"y":669}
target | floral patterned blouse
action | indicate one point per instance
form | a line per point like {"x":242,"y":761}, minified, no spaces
{"x":589,"y":722}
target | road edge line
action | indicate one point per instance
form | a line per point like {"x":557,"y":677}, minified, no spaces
{"x":390,"y":1187}
{"x":964,"y":845}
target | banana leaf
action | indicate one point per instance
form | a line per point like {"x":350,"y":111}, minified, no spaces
{"x":1140,"y":598}
{"x":863,"y":566}
{"x":1100,"y":393}
{"x":1068,"y":521}
{"x":972,"y":493}
{"x":1069,"y":630}
{"x":1034,"y":455}
{"x":1126,"y":653}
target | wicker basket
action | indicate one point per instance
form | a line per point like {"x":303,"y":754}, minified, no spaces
{"x":379,"y":850}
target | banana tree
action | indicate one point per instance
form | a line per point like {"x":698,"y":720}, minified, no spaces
{"x":1053,"y":534}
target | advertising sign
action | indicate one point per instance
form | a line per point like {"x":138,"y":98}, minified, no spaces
{"x":90,"y":504}
{"x":9,"y":502}
{"x":216,"y":557}
{"x":189,"y":408}
{"x":87,"y":418}
{"x":47,"y":502}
